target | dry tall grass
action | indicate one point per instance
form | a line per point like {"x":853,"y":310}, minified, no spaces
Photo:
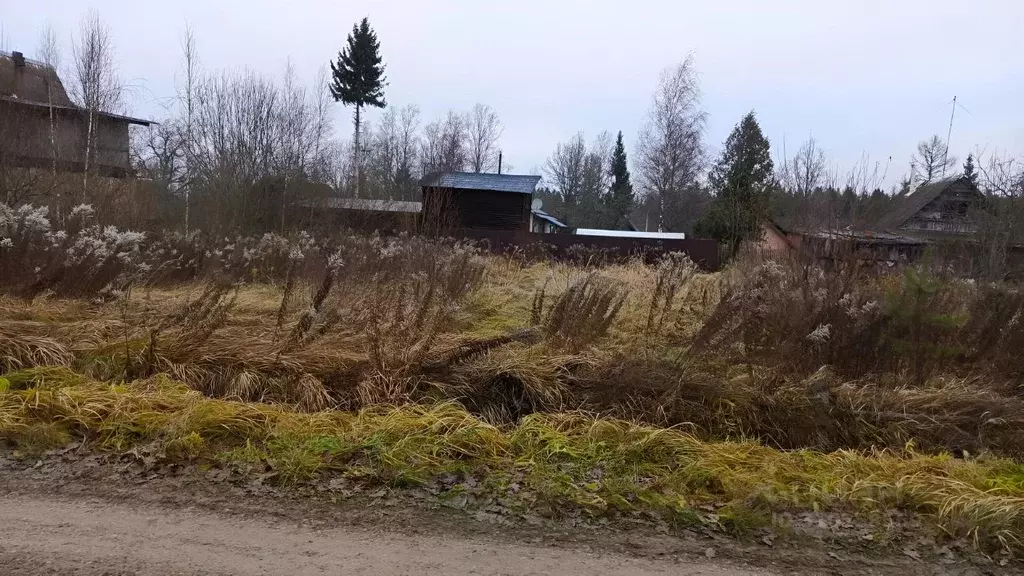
{"x":793,"y":354}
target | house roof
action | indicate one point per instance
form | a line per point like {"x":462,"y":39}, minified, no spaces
{"x":545,"y":216}
{"x":866,"y":237}
{"x":517,"y":183}
{"x":77,"y":110}
{"x":38,"y":85}
{"x":34,"y":81}
{"x":906,"y":205}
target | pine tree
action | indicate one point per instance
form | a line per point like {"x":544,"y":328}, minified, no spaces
{"x":357,"y":78}
{"x":969,"y":172}
{"x":742,"y":183}
{"x":619,"y":199}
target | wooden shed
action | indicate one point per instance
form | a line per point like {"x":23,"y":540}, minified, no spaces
{"x":475,"y":201}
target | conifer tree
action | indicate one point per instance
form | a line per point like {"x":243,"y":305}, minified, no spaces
{"x":969,"y":172}
{"x":619,"y":199}
{"x":357,"y":78}
{"x":742,"y":182}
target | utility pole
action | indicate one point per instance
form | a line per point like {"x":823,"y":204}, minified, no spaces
{"x":948,"y":135}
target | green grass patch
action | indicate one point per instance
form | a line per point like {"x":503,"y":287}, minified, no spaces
{"x":601,"y":465}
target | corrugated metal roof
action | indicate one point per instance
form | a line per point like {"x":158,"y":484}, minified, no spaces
{"x":545,"y":216}
{"x":631,"y":234}
{"x":517,"y":183}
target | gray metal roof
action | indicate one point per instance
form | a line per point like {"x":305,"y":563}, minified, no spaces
{"x":545,"y":216}
{"x":517,"y":183}
{"x":630,"y":234}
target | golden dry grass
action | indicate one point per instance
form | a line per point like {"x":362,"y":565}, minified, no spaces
{"x":562,"y":459}
{"x":478,"y":349}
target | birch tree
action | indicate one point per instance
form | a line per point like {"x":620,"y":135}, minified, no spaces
{"x":669,"y":150}
{"x":445,"y":144}
{"x":484,"y":129}
{"x":96,"y":86}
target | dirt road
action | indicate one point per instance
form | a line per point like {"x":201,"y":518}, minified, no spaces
{"x":93,"y":537}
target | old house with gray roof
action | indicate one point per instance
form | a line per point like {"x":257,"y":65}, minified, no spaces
{"x":40,"y":126}
{"x":934,"y":210}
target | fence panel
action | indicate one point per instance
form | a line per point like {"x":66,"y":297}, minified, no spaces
{"x":703,"y":252}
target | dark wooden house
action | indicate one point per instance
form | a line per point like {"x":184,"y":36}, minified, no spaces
{"x":937,"y":209}
{"x":476,"y":201}
{"x":40,"y":127}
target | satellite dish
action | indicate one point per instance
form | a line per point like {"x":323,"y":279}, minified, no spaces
{"x":537,"y":203}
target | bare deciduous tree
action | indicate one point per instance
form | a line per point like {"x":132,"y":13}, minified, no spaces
{"x":391,"y":155}
{"x":669,"y":151}
{"x":48,"y":51}
{"x":49,"y":54}
{"x":484,"y":129}
{"x":381,"y":157}
{"x":159,"y":155}
{"x":186,"y":97}
{"x":580,"y":176}
{"x":408,"y":146}
{"x":1000,"y":223}
{"x":566,"y":168}
{"x":445,"y":147}
{"x":931,"y":160}
{"x":806,"y":171}
{"x":96,"y":85}
{"x":251,"y":147}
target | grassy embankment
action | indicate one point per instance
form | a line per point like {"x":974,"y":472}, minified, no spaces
{"x":385,"y":400}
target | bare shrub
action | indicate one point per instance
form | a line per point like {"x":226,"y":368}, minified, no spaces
{"x":418,"y":288}
{"x":582,"y":314}
{"x":796,"y":318}
{"x":673,"y":272}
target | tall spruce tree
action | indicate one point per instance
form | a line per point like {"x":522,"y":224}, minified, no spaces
{"x":742,"y":182}
{"x":969,"y":171}
{"x":619,"y":198}
{"x":357,"y":78}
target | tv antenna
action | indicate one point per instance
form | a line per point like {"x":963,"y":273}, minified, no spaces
{"x":949,"y":133}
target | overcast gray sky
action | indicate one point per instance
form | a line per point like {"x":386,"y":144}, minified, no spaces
{"x":863,"y":76}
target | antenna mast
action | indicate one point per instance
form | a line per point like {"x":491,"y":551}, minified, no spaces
{"x":945,"y":156}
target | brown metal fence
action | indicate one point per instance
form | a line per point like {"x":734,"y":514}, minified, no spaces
{"x":593,"y":249}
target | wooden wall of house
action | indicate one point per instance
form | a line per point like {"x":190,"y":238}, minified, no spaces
{"x":476,"y":209}
{"x":949,"y":212}
{"x":26,"y":139}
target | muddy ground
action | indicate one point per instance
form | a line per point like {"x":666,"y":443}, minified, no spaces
{"x":78,"y":512}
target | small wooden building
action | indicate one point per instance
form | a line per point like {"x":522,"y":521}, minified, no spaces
{"x":477,"y":201}
{"x":40,"y":127}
